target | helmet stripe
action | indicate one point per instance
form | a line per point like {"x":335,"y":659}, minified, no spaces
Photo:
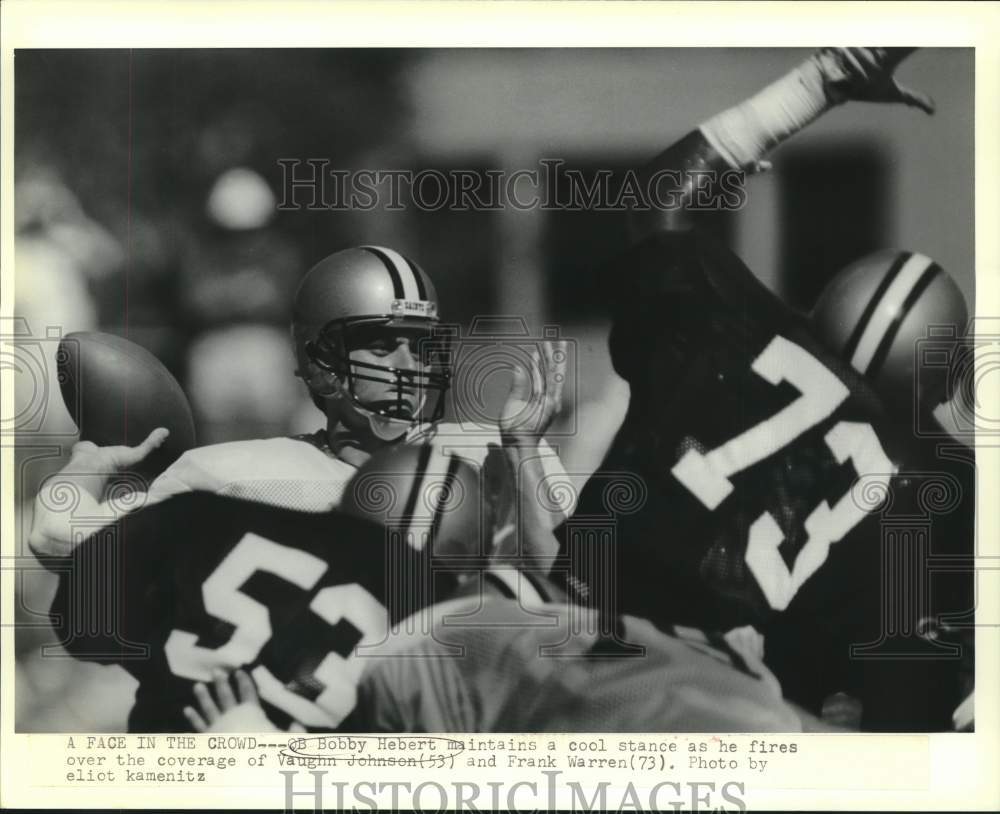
{"x":887,"y":309}
{"x":397,"y":281}
{"x":911,"y":299}
{"x":413,"y":288}
{"x":866,"y":315}
{"x":406,"y":274}
{"x":418,"y":276}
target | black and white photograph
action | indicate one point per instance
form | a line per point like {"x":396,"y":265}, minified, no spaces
{"x":379,"y":391}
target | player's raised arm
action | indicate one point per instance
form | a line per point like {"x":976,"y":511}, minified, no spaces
{"x":739,"y":138}
{"x":534,"y":400}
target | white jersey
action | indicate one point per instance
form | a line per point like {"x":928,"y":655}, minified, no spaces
{"x":291,"y":473}
{"x":496,"y":664}
{"x":301,"y":473}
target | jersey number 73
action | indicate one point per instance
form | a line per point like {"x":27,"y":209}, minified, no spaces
{"x":707,"y":474}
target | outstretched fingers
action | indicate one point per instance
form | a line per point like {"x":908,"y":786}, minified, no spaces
{"x":209,"y":711}
{"x":246,"y":690}
{"x":915,"y":98}
{"x":121,"y":457}
{"x":198,"y":724}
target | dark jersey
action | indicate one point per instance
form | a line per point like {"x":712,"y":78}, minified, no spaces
{"x":202,"y":582}
{"x":918,"y":666}
{"x":761,"y":459}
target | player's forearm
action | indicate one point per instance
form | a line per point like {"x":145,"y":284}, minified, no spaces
{"x":676,"y":178}
{"x":533,"y":542}
{"x":743,"y":135}
{"x":733,"y":141}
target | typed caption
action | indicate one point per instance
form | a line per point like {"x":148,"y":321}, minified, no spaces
{"x":579,"y":772}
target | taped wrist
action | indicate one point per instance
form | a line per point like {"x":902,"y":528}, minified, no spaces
{"x":744,"y":134}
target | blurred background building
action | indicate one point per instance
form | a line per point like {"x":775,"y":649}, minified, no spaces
{"x":147,"y":185}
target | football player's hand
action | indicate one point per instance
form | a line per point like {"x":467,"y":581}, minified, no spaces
{"x":228,"y":711}
{"x":535,"y":395}
{"x":866,"y":75}
{"x":107,"y":460}
{"x":87,"y":472}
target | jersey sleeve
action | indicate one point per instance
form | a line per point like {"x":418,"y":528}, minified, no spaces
{"x":688,"y":166}
{"x":286,"y":472}
{"x":207,"y":469}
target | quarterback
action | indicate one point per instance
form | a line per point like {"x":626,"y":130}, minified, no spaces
{"x":366,"y":345}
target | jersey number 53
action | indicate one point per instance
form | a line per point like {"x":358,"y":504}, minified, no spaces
{"x":339,"y":674}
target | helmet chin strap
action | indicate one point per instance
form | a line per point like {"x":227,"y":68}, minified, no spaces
{"x":390,"y":429}
{"x":382,"y":427}
{"x":387,"y":429}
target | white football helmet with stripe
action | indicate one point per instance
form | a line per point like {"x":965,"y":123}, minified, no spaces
{"x":346,"y":297}
{"x":873,"y":312}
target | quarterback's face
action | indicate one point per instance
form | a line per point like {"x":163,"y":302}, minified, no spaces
{"x":379,"y":390}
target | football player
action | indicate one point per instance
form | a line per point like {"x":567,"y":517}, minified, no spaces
{"x":505,"y":651}
{"x":748,"y":434}
{"x":199,"y":584}
{"x":334,"y":622}
{"x":366,"y":345}
{"x":875,"y":313}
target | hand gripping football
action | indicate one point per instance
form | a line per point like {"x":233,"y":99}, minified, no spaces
{"x":118,"y":392}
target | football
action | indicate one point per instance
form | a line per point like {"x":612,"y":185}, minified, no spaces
{"x":117,"y":392}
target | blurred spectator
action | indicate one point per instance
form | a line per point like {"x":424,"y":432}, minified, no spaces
{"x":238,"y":286}
{"x":240,"y":383}
{"x":59,"y":253}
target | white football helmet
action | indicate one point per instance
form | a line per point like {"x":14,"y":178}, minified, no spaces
{"x":341,"y":302}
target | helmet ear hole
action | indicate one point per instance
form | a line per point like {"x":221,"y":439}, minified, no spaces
{"x":322,"y":381}
{"x":327,"y":355}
